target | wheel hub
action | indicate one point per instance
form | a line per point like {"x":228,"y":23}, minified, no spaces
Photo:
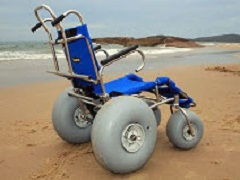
{"x":186,"y":132}
{"x":80,"y":120}
{"x":133,"y":137}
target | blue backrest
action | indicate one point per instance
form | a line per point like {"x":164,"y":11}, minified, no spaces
{"x":80,"y":56}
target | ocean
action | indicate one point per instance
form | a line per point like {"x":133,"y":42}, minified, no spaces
{"x":27,"y":62}
{"x":24,"y":51}
{"x":39,"y":50}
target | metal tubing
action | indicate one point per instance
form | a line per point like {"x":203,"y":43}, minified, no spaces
{"x":47,"y":8}
{"x":83,"y":77}
{"x":176,"y":101}
{"x":47,"y":20}
{"x":188,"y":122}
{"x":144,"y":97}
{"x":157,"y":93}
{"x":162,"y":102}
{"x":84,"y":99}
{"x":99,"y":76}
{"x":80,"y":96}
{"x":143,"y":59}
{"x":124,"y":56}
{"x":55,"y":61}
{"x":70,"y":39}
{"x":64,"y":39}
{"x":104,"y":51}
{"x":76,"y":13}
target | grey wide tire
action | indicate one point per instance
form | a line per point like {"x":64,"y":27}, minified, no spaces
{"x":156,"y":112}
{"x":63,"y":120}
{"x":177,"y":127}
{"x":108,"y":130}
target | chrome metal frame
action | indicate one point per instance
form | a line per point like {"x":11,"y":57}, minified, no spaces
{"x":47,"y":8}
{"x":158,"y":100}
{"x":124,"y":56}
{"x":104,"y":51}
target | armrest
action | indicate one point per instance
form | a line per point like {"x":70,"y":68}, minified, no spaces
{"x":121,"y":53}
{"x":97,"y":47}
{"x":109,"y":60}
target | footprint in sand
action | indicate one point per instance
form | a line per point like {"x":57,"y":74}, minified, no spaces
{"x":30,"y":145}
{"x":54,"y":167}
{"x":44,"y":127}
{"x":230,"y":123}
{"x":217,"y":162}
{"x":32,"y":131}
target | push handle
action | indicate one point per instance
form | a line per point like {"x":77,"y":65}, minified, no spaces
{"x":58,"y":20}
{"x":65,"y":14}
{"x":37,"y":26}
{"x":47,"y":8}
{"x":118,"y":55}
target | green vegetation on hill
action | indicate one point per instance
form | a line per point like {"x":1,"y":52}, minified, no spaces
{"x":225,"y":38}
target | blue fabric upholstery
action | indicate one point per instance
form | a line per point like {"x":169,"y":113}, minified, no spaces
{"x":82,"y":63}
{"x":127,"y":85}
{"x":80,"y":57}
{"x":168,"y":88}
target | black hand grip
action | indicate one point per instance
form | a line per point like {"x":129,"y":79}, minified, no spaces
{"x":38,"y":25}
{"x":97,"y":47}
{"x":58,"y":20}
{"x":118,"y":55}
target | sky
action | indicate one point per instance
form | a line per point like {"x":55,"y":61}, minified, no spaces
{"x":140,"y":18}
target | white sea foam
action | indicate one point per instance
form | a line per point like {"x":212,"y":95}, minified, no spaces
{"x":21,"y":55}
{"x":166,"y":50}
{"x":38,"y":51}
{"x":207,"y":43}
{"x":150,"y":51}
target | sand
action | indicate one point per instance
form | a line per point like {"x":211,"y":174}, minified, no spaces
{"x":30,"y":149}
{"x":228,"y":46}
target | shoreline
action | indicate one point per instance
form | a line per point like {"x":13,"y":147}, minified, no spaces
{"x":20,"y":72}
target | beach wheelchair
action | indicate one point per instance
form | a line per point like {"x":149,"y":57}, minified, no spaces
{"x":117,"y":116}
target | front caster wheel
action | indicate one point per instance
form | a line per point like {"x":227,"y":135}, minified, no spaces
{"x":178,"y":130}
{"x":68,"y":122}
{"x":124,"y":134}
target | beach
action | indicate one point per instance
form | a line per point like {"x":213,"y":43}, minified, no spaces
{"x":30,"y":148}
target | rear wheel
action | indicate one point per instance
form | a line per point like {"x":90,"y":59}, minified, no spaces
{"x":124,"y":134}
{"x":68,"y":122}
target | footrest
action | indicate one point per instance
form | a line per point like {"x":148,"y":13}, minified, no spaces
{"x":168,"y":88}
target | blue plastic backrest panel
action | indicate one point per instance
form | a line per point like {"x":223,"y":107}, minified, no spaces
{"x":80,"y":55}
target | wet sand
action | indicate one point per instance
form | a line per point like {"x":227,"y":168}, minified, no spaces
{"x":21,"y":72}
{"x":30,"y":149}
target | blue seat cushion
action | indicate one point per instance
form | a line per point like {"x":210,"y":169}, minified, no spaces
{"x":168,"y":88}
{"x":129,"y":84}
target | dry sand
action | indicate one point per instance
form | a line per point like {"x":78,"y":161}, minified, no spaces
{"x":233,"y":46}
{"x":30,"y":149}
